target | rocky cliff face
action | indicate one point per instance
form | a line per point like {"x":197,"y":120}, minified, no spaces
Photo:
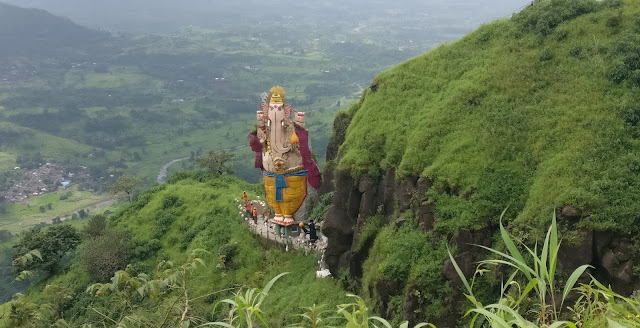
{"x":398,"y":201}
{"x":440,"y":145}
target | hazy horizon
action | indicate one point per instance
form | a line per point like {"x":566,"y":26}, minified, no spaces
{"x":148,"y":16}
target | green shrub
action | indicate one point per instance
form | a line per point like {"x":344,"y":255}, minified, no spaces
{"x":561,"y":34}
{"x":171,"y":201}
{"x":614,"y":21}
{"x":546,"y":55}
{"x":144,"y":249}
{"x":370,"y":230}
{"x":543,"y":16}
{"x":105,"y":254}
{"x":96,"y":226}
{"x":575,"y":52}
{"x":318,"y":212}
{"x":163,"y":221}
{"x":53,"y":243}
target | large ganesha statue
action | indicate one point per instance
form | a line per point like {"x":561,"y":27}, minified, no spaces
{"x":281,"y":146}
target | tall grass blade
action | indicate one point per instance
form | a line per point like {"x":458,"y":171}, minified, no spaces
{"x":521,"y":321}
{"x":573,"y":278}
{"x":520,"y":265}
{"x":532,"y":283}
{"x":559,"y":324}
{"x":554,"y":246}
{"x":267,"y":287}
{"x":460,"y":274}
{"x":382,"y":321}
{"x":495,"y":318}
{"x":513,"y":250}
{"x":545,"y":254}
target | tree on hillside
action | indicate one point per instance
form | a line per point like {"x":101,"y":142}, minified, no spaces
{"x":107,"y":253}
{"x":216,"y":161}
{"x":126,"y":184}
{"x":96,"y":226}
{"x":5,"y":235}
{"x":53,"y":243}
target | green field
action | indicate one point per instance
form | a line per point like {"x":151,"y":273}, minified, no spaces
{"x":19,"y":216}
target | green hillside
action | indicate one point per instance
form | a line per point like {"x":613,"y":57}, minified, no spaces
{"x":167,"y":222}
{"x":534,"y":112}
{"x":15,"y":139}
{"x":19,"y":36}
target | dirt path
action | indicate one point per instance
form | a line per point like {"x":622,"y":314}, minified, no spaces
{"x":90,"y":208}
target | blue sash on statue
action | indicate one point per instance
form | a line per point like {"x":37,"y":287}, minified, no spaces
{"x":281,"y":183}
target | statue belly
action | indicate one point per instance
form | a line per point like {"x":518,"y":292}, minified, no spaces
{"x":292,"y":196}
{"x":293,"y":162}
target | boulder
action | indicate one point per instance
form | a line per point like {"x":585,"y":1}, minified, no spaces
{"x":426,"y":215}
{"x":573,"y":256}
{"x":339,"y":222}
{"x":411,"y":304}
{"x":405,"y":191}
{"x":571,"y":212}
{"x":387,"y":197}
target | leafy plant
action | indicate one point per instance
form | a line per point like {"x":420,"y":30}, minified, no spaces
{"x":52,"y":243}
{"x":356,"y":315}
{"x":313,"y":317}
{"x":127,"y":287}
{"x":245,"y":307}
{"x":26,"y":314}
{"x":540,"y":278}
{"x":105,"y":254}
{"x":22,"y":260}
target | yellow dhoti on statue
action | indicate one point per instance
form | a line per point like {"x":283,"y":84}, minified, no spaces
{"x":285,"y":192}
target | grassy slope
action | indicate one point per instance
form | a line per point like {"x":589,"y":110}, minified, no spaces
{"x":51,"y":147}
{"x":208,"y":219}
{"x":516,"y":117}
{"x":210,"y":211}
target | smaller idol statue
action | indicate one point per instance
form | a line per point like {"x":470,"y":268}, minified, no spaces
{"x":281,"y":146}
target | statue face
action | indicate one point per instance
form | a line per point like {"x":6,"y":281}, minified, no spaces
{"x":278,"y":136}
{"x":276,"y":113}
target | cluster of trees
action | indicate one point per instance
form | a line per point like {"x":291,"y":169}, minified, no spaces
{"x":54,"y":244}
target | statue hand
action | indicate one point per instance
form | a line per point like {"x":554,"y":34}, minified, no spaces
{"x":260,"y":117}
{"x":262,"y":136}
{"x":299,"y":118}
{"x":287,"y":111}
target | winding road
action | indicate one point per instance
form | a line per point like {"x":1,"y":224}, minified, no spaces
{"x":162,"y":175}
